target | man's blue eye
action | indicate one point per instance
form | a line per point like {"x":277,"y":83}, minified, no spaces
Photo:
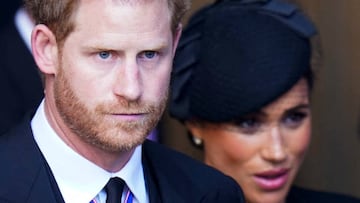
{"x":149,"y":54}
{"x":104,"y":54}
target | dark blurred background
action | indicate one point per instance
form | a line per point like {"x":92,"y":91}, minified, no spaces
{"x":7,"y":10}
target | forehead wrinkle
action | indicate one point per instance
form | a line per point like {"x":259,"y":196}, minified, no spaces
{"x":128,"y":11}
{"x":143,"y":31}
{"x":131,"y":2}
{"x":118,"y":44}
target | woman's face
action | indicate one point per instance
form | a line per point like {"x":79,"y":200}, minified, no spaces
{"x":263,"y":150}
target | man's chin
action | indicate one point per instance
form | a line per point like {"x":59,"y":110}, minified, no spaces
{"x":119,"y":140}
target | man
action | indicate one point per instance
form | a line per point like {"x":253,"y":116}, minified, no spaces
{"x":106,"y":67}
{"x":20,"y":81}
{"x":20,"y":84}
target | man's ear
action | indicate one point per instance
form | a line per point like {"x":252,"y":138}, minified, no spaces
{"x":177,"y":37}
{"x":44,"y":49}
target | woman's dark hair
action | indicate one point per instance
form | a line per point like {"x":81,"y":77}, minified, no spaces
{"x":237,"y":56}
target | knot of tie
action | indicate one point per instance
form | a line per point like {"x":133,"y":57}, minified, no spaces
{"x":114,"y":189}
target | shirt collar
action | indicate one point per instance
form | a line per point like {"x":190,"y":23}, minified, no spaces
{"x":78,"y":179}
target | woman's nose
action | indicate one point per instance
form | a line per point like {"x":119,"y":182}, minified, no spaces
{"x":274,"y":150}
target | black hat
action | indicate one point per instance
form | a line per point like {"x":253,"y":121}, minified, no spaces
{"x":236,"y":56}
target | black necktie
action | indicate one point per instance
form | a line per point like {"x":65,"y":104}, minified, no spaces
{"x":114,"y":190}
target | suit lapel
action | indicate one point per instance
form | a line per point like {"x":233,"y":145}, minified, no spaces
{"x":158,"y":179}
{"x":28,"y":179}
{"x":151,"y":185}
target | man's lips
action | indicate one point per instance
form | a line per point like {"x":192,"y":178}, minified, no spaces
{"x":272,"y":179}
{"x":127,"y":116}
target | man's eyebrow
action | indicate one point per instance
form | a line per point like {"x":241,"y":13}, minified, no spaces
{"x":108,"y":46}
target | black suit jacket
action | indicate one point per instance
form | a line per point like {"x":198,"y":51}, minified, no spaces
{"x":20,"y":84}
{"x":170,"y":176}
{"x":301,"y":195}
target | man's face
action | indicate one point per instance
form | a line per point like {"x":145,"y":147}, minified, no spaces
{"x":112,"y":81}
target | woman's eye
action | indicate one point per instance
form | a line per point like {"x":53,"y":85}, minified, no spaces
{"x":248,"y":125}
{"x":104,"y":54}
{"x":294,"y":119}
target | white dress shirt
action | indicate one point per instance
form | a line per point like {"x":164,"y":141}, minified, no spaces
{"x":78,"y":179}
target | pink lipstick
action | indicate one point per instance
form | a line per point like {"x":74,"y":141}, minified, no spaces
{"x":272,"y":179}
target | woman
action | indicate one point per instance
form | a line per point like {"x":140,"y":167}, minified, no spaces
{"x":241,"y":84}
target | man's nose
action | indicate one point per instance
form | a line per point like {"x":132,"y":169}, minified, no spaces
{"x":128,"y":82}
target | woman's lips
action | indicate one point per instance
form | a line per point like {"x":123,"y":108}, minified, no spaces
{"x":272,"y":179}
